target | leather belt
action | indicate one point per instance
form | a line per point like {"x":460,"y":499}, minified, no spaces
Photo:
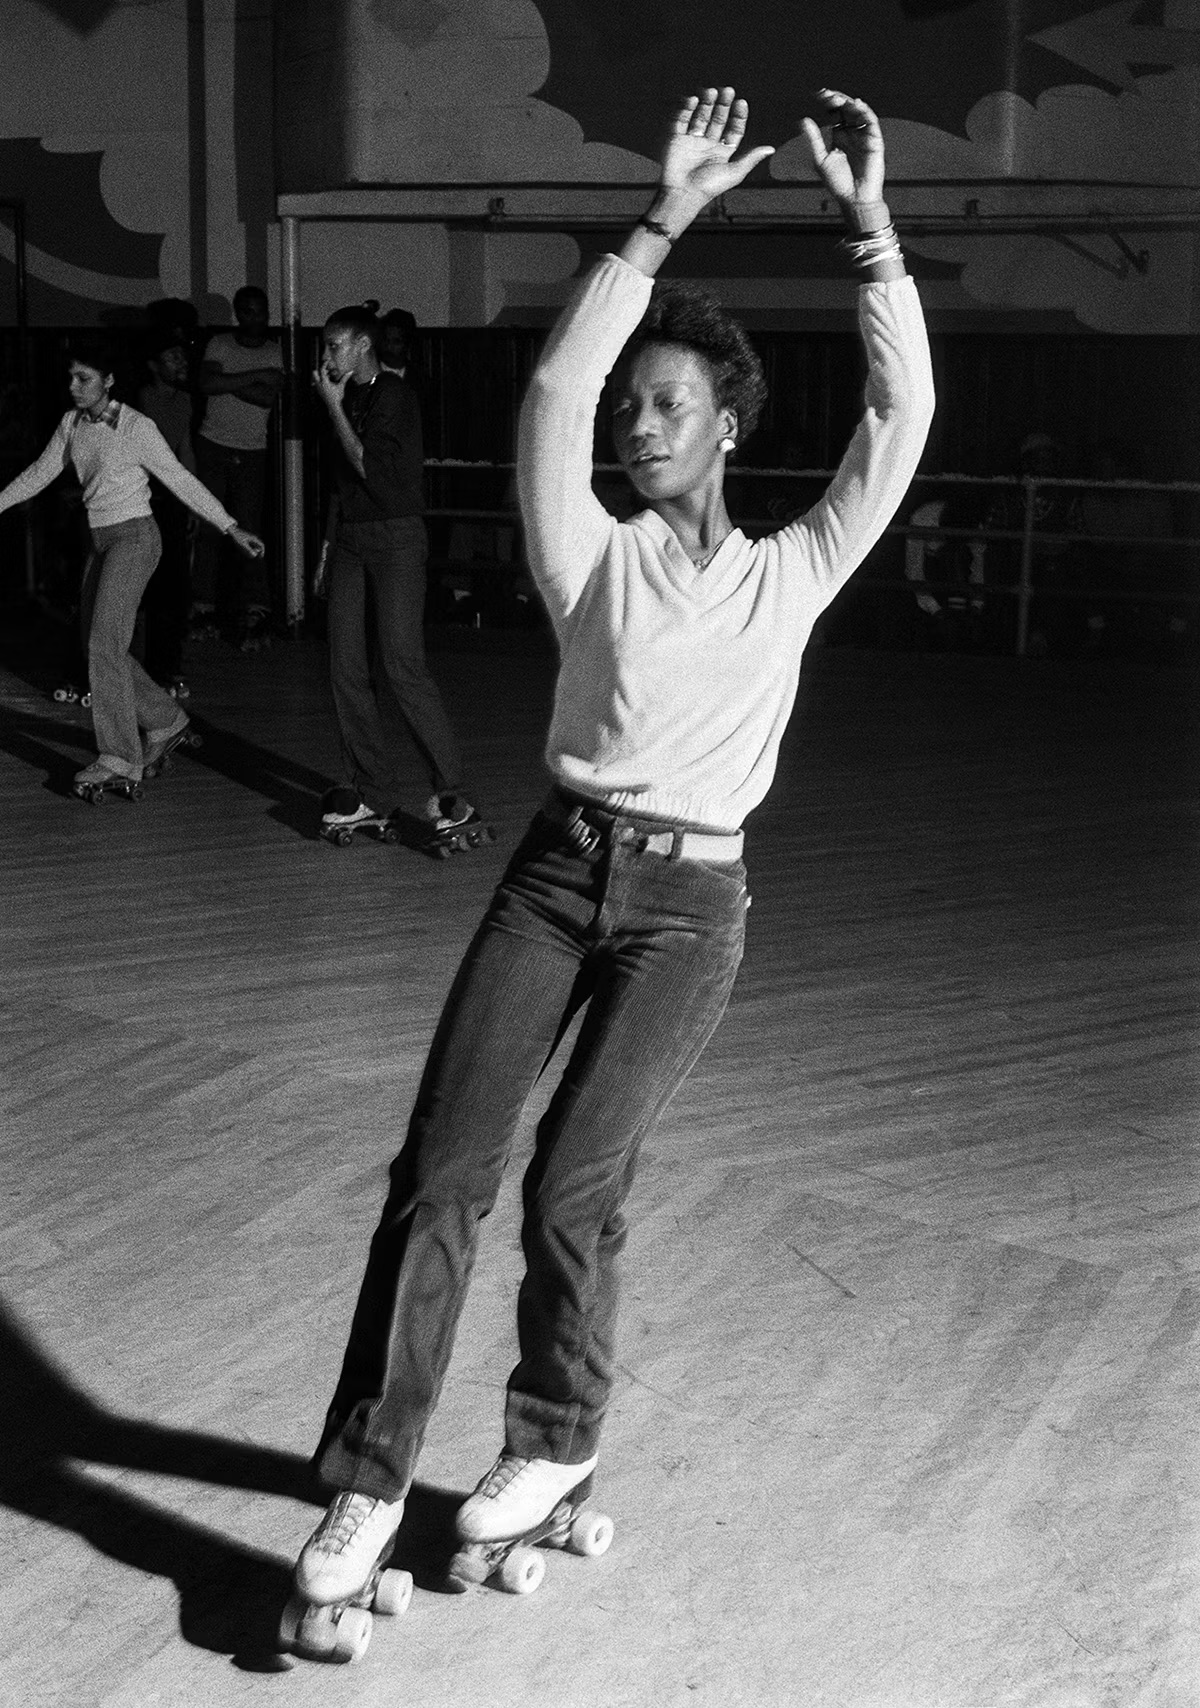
{"x":588,"y":824}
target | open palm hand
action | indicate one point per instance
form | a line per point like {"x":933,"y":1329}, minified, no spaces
{"x":698,"y":158}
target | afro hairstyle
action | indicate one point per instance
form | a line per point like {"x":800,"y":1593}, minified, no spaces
{"x":688,"y":316}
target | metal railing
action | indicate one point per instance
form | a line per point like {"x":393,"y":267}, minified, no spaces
{"x":1029,"y":540}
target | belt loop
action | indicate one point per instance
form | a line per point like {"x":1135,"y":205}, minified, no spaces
{"x":677,"y":837}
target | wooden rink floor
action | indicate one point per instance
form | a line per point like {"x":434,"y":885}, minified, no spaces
{"x":907,"y":1415}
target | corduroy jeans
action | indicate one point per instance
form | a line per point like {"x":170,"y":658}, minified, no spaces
{"x":652,"y":946}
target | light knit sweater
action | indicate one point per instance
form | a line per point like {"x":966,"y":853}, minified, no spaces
{"x":112,"y":465}
{"x":675,"y":683}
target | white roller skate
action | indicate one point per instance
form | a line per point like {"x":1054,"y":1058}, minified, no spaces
{"x":67,"y":694}
{"x":342,"y":1578}
{"x":160,"y":744}
{"x":343,"y":811}
{"x":455,"y":826}
{"x":97,"y":780}
{"x":519,"y":1504}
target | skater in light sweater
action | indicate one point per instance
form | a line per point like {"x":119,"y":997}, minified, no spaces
{"x":113,"y":449}
{"x":680,"y":643}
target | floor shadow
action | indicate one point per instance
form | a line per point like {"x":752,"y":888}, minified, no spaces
{"x":230,"y":1596}
{"x":26,"y":737}
{"x":295,"y":788}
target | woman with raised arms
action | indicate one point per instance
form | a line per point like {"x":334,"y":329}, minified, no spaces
{"x":680,"y":643}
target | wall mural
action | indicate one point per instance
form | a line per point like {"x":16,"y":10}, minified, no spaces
{"x":567,"y":90}
{"x":104,"y":110}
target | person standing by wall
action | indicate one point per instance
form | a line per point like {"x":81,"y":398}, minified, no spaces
{"x":397,"y":334}
{"x":377,"y":565}
{"x":114,"y":449}
{"x":241,"y":375}
{"x":165,"y":399}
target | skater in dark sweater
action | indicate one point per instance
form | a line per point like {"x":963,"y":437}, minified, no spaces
{"x":377,"y":561}
{"x":680,"y":644}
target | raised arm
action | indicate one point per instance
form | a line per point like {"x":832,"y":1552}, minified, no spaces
{"x":883,"y":455}
{"x":566,"y":526}
{"x":39,"y":474}
{"x":699,"y":163}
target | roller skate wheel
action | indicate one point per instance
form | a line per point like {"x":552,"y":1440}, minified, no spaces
{"x":442,"y":850}
{"x":136,"y":792}
{"x":522,"y":1571}
{"x":344,"y":838}
{"x":313,"y":1630}
{"x":468,"y":1567}
{"x":65,"y":696}
{"x":591,"y":1534}
{"x":390,"y":833}
{"x":353,"y":1635}
{"x":290,"y":1621}
{"x":393,"y":1593}
{"x":85,"y":700}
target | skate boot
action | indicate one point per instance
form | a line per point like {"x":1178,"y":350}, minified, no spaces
{"x":202,"y":623}
{"x":520,"y":1503}
{"x":342,"y":1577}
{"x":160,"y":744}
{"x":97,"y":780}
{"x":343,"y":811}
{"x":254,"y":633}
{"x":454,"y":826}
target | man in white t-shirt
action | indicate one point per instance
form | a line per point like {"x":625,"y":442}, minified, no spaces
{"x":241,"y":375}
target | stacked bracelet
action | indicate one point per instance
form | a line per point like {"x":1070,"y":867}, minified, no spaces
{"x":869,"y":248}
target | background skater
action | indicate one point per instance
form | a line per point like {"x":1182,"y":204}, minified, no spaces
{"x":377,"y":570}
{"x":113,"y":450}
{"x":241,"y":375}
{"x":167,"y":402}
{"x":680,"y":646}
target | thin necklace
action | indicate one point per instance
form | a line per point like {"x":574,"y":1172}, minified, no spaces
{"x":702,"y":563}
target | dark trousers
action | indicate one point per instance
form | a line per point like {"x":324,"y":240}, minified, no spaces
{"x":224,"y":577}
{"x":168,"y":595}
{"x":652,"y":945}
{"x":379,"y":569}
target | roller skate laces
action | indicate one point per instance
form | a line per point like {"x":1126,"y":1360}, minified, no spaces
{"x":515,"y":1497}
{"x":340,"y":1555}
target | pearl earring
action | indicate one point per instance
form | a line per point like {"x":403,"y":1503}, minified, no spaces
{"x":727,"y":445}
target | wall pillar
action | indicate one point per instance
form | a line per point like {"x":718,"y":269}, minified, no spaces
{"x":293,"y":442}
